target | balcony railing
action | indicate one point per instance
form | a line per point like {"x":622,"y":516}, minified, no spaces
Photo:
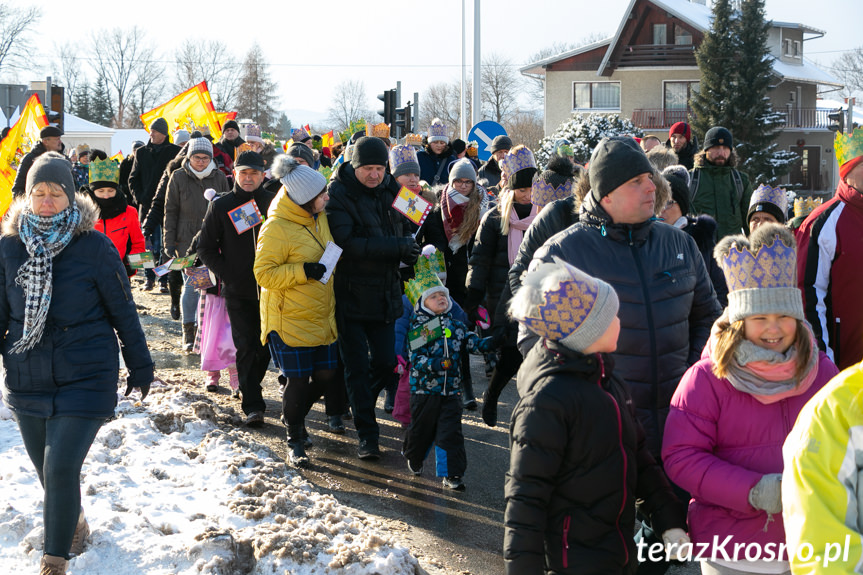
{"x":803,"y":118}
{"x":657,"y":55}
{"x":657,"y":118}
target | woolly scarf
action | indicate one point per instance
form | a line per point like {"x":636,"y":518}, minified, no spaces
{"x":768,"y":375}
{"x":44,"y":237}
{"x":516,"y":232}
{"x":203,"y":173}
{"x":453,"y":206}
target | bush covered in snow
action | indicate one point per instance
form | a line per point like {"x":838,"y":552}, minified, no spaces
{"x":584,"y":131}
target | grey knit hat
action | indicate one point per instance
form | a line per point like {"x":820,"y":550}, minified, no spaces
{"x":501,"y":143}
{"x":615,"y":161}
{"x":200,"y":146}
{"x":298,"y":150}
{"x":54,"y":168}
{"x":562,"y":303}
{"x":159,"y":125}
{"x":462,"y":170}
{"x":181,"y":137}
{"x":301,"y":183}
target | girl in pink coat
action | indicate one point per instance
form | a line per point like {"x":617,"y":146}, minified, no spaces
{"x":733,"y":409}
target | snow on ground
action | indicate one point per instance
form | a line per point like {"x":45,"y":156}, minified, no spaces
{"x":167,"y":491}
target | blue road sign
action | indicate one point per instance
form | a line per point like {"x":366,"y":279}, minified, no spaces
{"x":483,"y":133}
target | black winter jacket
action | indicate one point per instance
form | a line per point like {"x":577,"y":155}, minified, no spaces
{"x":431,"y":165}
{"x":488,"y":266}
{"x":231,"y":256}
{"x":578,"y":464}
{"x":667,"y":302}
{"x":703,"y":231}
{"x":155,"y":217}
{"x":364,"y":224}
{"x":489,"y":174}
{"x":147,"y":168}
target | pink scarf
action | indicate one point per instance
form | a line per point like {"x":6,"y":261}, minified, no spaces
{"x":516,"y":232}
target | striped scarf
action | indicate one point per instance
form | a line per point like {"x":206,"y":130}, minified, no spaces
{"x":44,"y":237}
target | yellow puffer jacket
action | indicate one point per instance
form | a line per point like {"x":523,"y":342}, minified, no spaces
{"x":300,"y":310}
{"x":822,"y":485}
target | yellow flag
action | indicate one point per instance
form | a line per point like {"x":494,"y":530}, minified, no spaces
{"x":328,"y":139}
{"x":118,"y":157}
{"x":20,"y":139}
{"x":188,"y":111}
{"x":225,"y":116}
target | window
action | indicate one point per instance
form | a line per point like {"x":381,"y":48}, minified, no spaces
{"x":659,"y":34}
{"x":797,"y":50}
{"x":788,"y":48}
{"x":682,"y":36}
{"x":596,"y":95}
{"x":678,"y":94}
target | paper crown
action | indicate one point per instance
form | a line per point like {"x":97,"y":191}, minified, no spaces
{"x":299,"y":135}
{"x":472,"y":149}
{"x":381,"y":130}
{"x":776,"y":196}
{"x":437,"y":131}
{"x":746,"y":266}
{"x":424,"y":280}
{"x":431,"y":260}
{"x":805,"y":206}
{"x":104,"y":171}
{"x":413,"y":140}
{"x":401,"y":154}
{"x":517,"y":159}
{"x":543,"y":193}
{"x":253,"y":133}
{"x":848,"y":146}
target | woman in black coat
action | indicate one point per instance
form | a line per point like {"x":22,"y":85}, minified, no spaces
{"x":64,"y":300}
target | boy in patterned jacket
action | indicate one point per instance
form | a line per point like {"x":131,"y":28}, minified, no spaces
{"x":436,"y":341}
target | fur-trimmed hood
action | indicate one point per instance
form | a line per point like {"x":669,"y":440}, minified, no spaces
{"x":88,"y":209}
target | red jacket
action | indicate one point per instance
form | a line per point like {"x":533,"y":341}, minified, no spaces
{"x":125,"y":231}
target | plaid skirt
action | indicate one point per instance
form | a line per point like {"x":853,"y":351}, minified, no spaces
{"x":301,"y":361}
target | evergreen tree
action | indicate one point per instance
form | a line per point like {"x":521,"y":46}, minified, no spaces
{"x":81,"y":102}
{"x":257,"y":97}
{"x":283,"y":131}
{"x":102,"y":110}
{"x":712,"y":103}
{"x":584,"y":131}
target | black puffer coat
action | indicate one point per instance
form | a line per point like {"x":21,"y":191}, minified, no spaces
{"x":703,"y":231}
{"x":667,"y":302}
{"x":147,"y":169}
{"x":578,"y":463}
{"x":488,"y":266}
{"x":368,"y":229}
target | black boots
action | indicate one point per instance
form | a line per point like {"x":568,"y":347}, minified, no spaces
{"x":296,"y":446}
{"x":189,"y":331}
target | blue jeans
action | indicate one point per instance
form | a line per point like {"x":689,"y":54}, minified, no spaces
{"x":155,"y":241}
{"x":189,"y":302}
{"x":57,"y":447}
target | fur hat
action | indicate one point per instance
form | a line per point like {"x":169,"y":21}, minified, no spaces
{"x":773,"y":201}
{"x":615,"y":161}
{"x":761,"y":272}
{"x":562,"y":303}
{"x":301,"y":183}
{"x":54,"y":168}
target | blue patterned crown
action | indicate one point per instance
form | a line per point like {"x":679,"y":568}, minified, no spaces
{"x":766,"y":260}
{"x":518,"y":158}
{"x":776,"y":196}
{"x":438,"y":131}
{"x":543,"y":193}
{"x":104,"y":171}
{"x":401,"y":154}
{"x":299,"y":135}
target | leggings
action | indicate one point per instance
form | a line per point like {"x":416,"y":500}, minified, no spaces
{"x":57,"y":447}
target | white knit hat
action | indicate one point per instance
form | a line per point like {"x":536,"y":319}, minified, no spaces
{"x":301,"y":183}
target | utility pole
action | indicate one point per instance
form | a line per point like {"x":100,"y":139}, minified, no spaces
{"x":477,"y":101}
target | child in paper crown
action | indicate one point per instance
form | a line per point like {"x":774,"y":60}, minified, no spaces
{"x":733,"y":409}
{"x":437,"y":341}
{"x":433,"y":259}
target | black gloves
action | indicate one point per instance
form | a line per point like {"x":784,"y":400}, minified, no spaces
{"x":144,"y":387}
{"x":498,"y":335}
{"x":314,"y":270}
{"x":441,"y":363}
{"x":409,"y":251}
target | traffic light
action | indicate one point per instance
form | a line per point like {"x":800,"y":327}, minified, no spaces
{"x":837,"y":121}
{"x":389,"y":100}
{"x":403,"y":120}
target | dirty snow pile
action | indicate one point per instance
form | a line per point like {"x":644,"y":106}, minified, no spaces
{"x":166,"y":491}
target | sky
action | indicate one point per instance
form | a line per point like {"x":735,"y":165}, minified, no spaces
{"x":313,"y":46}
{"x":160,"y":475}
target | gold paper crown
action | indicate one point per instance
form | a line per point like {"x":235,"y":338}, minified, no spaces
{"x":424,"y":280}
{"x":381,"y":130}
{"x":848,"y":146}
{"x":805,"y":206}
{"x":413,"y":140}
{"x":104,"y":171}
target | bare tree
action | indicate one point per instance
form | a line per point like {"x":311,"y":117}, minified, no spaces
{"x":535,"y":83}
{"x":209,"y":61}
{"x":15,"y":26}
{"x":525,"y":128}
{"x":70,"y":76}
{"x":147,"y":92}
{"x":849,"y":68}
{"x":501,"y":84}
{"x":258,"y":98}
{"x":348,"y":105}
{"x":121,"y":55}
{"x":443,"y":100}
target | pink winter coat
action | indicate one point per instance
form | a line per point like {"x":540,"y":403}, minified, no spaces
{"x":719,"y":442}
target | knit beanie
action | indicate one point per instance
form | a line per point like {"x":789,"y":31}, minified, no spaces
{"x":761,"y":273}
{"x":301,"y":183}
{"x":403,"y":160}
{"x":773,"y":201}
{"x":681,"y":128}
{"x":54,"y":168}
{"x":501,"y":143}
{"x":50,"y":132}
{"x":369,"y":151}
{"x":678,"y":179}
{"x":462,"y":170}
{"x":231,"y":124}
{"x":558,"y":171}
{"x":615,"y":161}
{"x":297,"y":150}
{"x":561,"y":303}
{"x":159,"y":125}
{"x":200,"y":146}
{"x":458,"y":146}
{"x":718,"y":136}
{"x":181,"y":137}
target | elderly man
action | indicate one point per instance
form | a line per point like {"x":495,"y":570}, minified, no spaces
{"x":49,"y":141}
{"x":375,"y":239}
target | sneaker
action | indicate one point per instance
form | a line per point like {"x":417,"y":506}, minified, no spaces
{"x":164,"y":288}
{"x":470,"y":404}
{"x":254,"y":419}
{"x":335,"y":424}
{"x":149,"y":284}
{"x":369,"y":450}
{"x":415,"y":470}
{"x":82,"y":531}
{"x":454,"y":482}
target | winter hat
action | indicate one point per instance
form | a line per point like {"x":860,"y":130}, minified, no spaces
{"x":437,"y":131}
{"x":298,"y":150}
{"x":82,"y":149}
{"x":181,"y":137}
{"x":249,"y":160}
{"x":678,"y":179}
{"x":558,"y":171}
{"x":501,"y":143}
{"x":717,"y":136}
{"x":253,"y":133}
{"x":774,"y":201}
{"x":425,"y":283}
{"x":104,"y":174}
{"x":761,"y":273}
{"x":200,"y":146}
{"x":849,"y":151}
{"x":50,"y":132}
{"x":403,"y":160}
{"x":615,"y":161}
{"x":563,"y":148}
{"x":518,"y":168}
{"x":159,"y":125}
{"x":301,"y":183}
{"x":561,"y":303}
{"x":137,"y":144}
{"x":356,"y":136}
{"x":231,"y":124}
{"x":369,"y":151}
{"x":54,"y":168}
{"x":681,"y":128}
{"x":458,"y":146}
{"x":462,"y":170}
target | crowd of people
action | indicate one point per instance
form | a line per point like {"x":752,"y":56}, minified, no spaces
{"x":674,"y":332}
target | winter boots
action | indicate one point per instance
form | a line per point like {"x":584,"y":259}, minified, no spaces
{"x":82,"y":531}
{"x":52,"y":565}
{"x":296,"y":446}
{"x":189,"y":331}
{"x":235,"y":382}
{"x":213,"y":380}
